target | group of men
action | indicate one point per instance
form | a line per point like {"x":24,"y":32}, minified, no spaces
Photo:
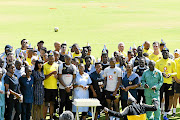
{"x":144,"y":72}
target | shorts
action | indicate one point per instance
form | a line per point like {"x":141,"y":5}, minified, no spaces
{"x":50,"y":95}
{"x":109,"y":95}
{"x":176,"y":87}
{"x":171,"y":89}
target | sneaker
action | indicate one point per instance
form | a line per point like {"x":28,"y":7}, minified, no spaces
{"x":89,"y":114}
{"x":165,"y":118}
{"x":98,"y":116}
{"x":174,"y":115}
{"x":170,"y":112}
{"x":55,"y":117}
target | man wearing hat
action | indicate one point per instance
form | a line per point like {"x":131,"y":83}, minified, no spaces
{"x":152,"y":81}
{"x":168,"y":68}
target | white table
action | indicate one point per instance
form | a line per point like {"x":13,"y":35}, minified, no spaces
{"x":88,"y":104}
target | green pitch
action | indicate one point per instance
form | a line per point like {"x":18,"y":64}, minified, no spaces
{"x":97,"y":22}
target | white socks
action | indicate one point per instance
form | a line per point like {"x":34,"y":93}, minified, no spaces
{"x":162,"y":106}
{"x":165,"y":114}
{"x":174,"y":110}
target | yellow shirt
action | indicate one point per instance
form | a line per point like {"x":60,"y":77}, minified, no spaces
{"x":168,"y":66}
{"x":155,"y":57}
{"x":76,"y":55}
{"x":51,"y":82}
{"x":177,"y":61}
{"x":123,"y":53}
{"x":150,"y":51}
{"x":29,"y":61}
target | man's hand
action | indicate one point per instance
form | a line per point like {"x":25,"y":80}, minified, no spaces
{"x":164,"y":75}
{"x":153,"y":88}
{"x":106,"y":109}
{"x":114,"y":93}
{"x":94,"y":94}
{"x":54,"y":72}
{"x":146,"y":86}
{"x":2,"y":92}
{"x":126,"y":89}
{"x":68,"y":90}
{"x":168,"y":75}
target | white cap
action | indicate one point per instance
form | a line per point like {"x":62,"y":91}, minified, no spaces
{"x":177,"y":51}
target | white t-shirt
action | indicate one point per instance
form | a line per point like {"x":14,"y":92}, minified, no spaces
{"x":67,"y":78}
{"x":112,"y":75}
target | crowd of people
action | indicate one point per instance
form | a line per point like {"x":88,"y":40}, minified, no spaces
{"x":34,"y":82}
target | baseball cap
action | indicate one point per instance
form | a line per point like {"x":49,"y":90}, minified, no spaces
{"x":8,"y":47}
{"x":41,"y":42}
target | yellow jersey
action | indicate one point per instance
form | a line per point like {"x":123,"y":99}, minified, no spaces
{"x":155,"y":57}
{"x":167,"y":66}
{"x":177,"y":61}
{"x":76,"y":55}
{"x":29,"y":61}
{"x":51,"y":82}
{"x":150,"y":51}
{"x":123,"y":53}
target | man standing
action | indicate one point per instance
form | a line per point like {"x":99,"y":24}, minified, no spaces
{"x":152,"y":81}
{"x":135,"y":60}
{"x":66,"y":75}
{"x":50,"y":84}
{"x":121,"y":49}
{"x":63,"y":52}
{"x":168,"y":68}
{"x":39,"y":45}
{"x":147,"y":49}
{"x":156,"y":55}
{"x":24,"y":45}
{"x":57,"y":46}
{"x":113,"y":78}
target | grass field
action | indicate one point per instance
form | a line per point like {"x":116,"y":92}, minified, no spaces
{"x":97,"y":22}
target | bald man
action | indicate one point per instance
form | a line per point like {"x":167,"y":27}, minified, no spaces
{"x":147,"y":48}
{"x":121,"y":49}
{"x":57,"y":46}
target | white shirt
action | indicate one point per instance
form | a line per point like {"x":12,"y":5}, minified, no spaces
{"x":112,"y":75}
{"x":67,"y":78}
{"x":19,"y":73}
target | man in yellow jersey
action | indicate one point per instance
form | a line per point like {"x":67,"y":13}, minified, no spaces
{"x":176,"y":53}
{"x":168,"y":68}
{"x":121,"y":49}
{"x":156,"y":55}
{"x":76,"y":50}
{"x":177,"y":83}
{"x":50,"y":84}
{"x":147,"y":49}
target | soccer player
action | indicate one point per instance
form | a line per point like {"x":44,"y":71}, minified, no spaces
{"x":147,"y":48}
{"x":50,"y":84}
{"x":66,"y":75}
{"x":57,"y":46}
{"x":113,"y":77}
{"x":97,"y":86}
{"x":156,"y":55}
{"x":139,"y":70}
{"x":24,"y":44}
{"x":135,"y":60}
{"x":152,"y":81}
{"x":63,"y":52}
{"x":168,"y":68}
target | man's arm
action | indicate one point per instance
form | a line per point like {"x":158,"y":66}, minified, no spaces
{"x":160,"y":82}
{"x":118,"y":114}
{"x":153,"y":107}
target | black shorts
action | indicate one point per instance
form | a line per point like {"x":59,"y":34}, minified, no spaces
{"x":50,"y":95}
{"x":171,"y":89}
{"x":176,"y":87}
{"x":109,"y":95}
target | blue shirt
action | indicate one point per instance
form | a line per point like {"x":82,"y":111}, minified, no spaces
{"x":132,"y":80}
{"x":26,"y":87}
{"x":2,"y":96}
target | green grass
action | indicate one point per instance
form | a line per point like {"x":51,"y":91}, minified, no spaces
{"x":120,"y":20}
{"x":100,"y":22}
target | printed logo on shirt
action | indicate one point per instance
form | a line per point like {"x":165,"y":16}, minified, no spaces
{"x":159,"y":57}
{"x":137,"y":70}
{"x":111,"y":77}
{"x":64,"y":68}
{"x":169,"y":64}
{"x":165,"y":68}
{"x":114,"y":72}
